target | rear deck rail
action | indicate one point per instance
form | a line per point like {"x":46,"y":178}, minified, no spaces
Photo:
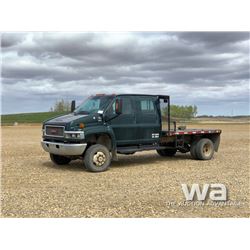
{"x":194,"y":132}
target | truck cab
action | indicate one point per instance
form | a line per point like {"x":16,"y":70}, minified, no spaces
{"x":106,"y":125}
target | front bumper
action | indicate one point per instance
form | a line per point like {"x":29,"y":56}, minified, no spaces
{"x":63,"y":148}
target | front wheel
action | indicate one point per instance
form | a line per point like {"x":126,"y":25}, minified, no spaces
{"x":97,"y":158}
{"x":166,"y":152}
{"x":59,"y":159}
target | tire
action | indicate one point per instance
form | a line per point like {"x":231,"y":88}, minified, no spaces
{"x":204,"y":149}
{"x":59,"y":159}
{"x":193,"y":150}
{"x":97,"y":158}
{"x":166,"y":152}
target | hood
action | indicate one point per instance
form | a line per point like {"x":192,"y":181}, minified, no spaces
{"x":66,"y":118}
{"x":71,"y":121}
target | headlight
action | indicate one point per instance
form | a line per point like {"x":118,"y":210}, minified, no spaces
{"x":74,"y":134}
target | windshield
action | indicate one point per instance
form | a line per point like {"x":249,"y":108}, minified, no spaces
{"x":93,"y":104}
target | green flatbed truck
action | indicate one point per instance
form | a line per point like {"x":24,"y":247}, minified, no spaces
{"x":106,"y":125}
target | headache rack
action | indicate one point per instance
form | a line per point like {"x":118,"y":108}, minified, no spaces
{"x":166,"y":99}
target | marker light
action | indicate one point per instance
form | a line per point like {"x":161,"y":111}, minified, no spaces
{"x":81,"y":125}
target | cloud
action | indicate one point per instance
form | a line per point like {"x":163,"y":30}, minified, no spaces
{"x":215,"y":39}
{"x":193,"y":67}
{"x":11,"y":39}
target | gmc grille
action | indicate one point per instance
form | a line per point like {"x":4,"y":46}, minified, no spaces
{"x":57,"y":131}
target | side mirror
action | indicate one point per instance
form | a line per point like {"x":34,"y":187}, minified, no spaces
{"x":118,"y":106}
{"x":73,"y":106}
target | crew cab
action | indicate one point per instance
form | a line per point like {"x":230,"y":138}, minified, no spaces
{"x":106,"y":125}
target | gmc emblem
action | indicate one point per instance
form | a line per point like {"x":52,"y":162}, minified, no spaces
{"x":53,"y":131}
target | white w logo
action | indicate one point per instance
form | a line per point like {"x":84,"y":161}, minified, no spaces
{"x":219,"y":194}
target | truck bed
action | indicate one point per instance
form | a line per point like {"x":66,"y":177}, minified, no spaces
{"x":169,"y":136}
{"x":190,"y":132}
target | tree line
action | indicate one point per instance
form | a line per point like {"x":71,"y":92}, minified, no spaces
{"x":182,"y":111}
{"x":61,"y":106}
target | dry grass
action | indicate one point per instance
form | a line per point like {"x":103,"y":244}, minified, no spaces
{"x":141,"y":185}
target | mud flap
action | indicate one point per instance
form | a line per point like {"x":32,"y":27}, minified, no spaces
{"x":114,"y":155}
{"x":216,"y":140}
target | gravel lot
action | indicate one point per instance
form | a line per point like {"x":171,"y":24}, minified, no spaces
{"x":142,"y":185}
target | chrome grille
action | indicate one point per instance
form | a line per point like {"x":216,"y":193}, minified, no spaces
{"x":56,"y":131}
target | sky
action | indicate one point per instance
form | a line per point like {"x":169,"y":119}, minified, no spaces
{"x":207,"y":69}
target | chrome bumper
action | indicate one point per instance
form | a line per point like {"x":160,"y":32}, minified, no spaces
{"x":63,"y":148}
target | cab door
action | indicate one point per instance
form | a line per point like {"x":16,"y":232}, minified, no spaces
{"x":123,"y":125}
{"x":148,"y":120}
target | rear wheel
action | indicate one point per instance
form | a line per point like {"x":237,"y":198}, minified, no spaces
{"x":193,"y":150}
{"x":204,"y":149}
{"x":97,"y":158}
{"x":59,"y":159}
{"x":166,"y":152}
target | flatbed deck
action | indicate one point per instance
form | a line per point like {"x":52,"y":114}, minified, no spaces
{"x":171,"y":136}
{"x":190,"y":132}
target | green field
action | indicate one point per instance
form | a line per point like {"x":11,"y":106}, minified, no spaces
{"x":28,"y":117}
{"x":42,"y":116}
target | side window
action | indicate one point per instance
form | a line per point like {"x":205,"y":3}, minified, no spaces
{"x":127,"y":108}
{"x":147,"y":106}
{"x":111,"y":109}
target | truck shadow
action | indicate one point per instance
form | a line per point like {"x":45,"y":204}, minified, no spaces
{"x":135,"y":160}
{"x":73,"y":166}
{"x":124,"y":161}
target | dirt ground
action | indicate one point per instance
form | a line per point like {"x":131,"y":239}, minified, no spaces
{"x":141,"y":185}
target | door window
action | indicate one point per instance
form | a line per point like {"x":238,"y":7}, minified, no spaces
{"x":111,"y":109}
{"x":146,"y":110}
{"x":147,"y":106}
{"x":126,"y":106}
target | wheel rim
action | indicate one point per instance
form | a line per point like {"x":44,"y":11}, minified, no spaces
{"x":99,"y":158}
{"x":207,"y":149}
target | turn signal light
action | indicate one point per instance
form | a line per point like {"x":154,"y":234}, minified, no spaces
{"x":81,"y":125}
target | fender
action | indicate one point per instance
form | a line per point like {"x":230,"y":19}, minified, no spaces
{"x":101,"y":129}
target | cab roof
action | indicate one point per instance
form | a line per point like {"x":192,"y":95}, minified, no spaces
{"x":160,"y":96}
